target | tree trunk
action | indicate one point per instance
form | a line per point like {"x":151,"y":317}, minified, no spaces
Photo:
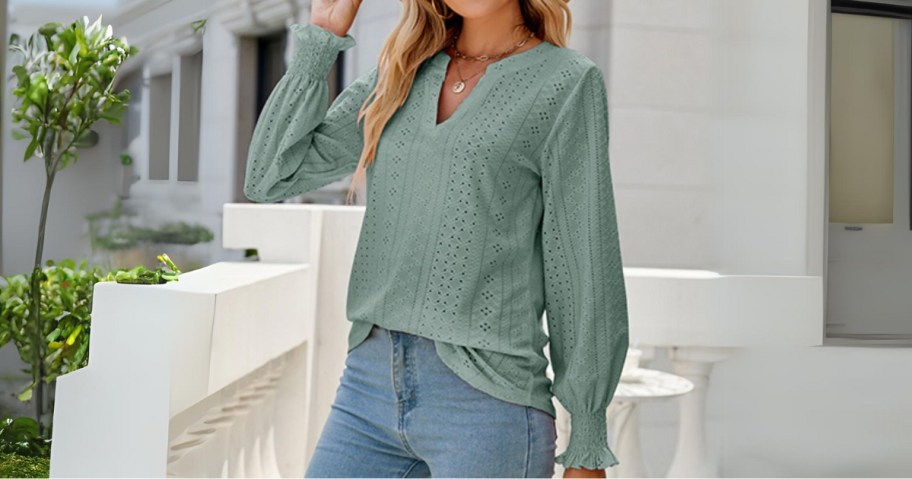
{"x":38,"y":372}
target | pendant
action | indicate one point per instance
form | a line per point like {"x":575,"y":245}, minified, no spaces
{"x":458,"y":86}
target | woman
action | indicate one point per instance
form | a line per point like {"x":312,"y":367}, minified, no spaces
{"x":484,"y":145}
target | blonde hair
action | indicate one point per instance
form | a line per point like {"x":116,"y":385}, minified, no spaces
{"x":425,"y":27}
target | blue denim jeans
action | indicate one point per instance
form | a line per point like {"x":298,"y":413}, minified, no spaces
{"x":399,"y":411}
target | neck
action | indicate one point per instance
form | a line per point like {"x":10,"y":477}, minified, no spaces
{"x":494,"y":32}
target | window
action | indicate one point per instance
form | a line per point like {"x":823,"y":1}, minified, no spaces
{"x":159,"y":126}
{"x":132,"y":117}
{"x":869,"y":173}
{"x":270,"y":65}
{"x":188,"y":135}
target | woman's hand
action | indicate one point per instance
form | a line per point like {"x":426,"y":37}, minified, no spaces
{"x":335,"y":16}
{"x":583,"y":472}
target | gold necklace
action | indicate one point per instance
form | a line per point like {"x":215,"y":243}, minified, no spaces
{"x":459,"y":85}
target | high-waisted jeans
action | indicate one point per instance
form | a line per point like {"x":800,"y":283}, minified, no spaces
{"x":399,"y":411}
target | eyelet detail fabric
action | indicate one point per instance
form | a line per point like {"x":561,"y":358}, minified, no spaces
{"x":474,"y":230}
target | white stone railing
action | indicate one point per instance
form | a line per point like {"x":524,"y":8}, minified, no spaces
{"x":227,"y":372}
{"x":224,"y":372}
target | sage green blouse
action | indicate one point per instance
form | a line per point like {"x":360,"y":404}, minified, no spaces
{"x":477,"y":226}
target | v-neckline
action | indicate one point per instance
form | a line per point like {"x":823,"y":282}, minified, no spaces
{"x":440,"y":62}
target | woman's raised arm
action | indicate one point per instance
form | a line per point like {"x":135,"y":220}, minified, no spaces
{"x":300,"y":142}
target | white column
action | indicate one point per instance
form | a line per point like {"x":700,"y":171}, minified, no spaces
{"x":691,"y":457}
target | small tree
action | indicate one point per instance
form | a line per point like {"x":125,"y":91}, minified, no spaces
{"x":64,"y":85}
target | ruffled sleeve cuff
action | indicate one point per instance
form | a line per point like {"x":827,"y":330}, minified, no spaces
{"x":316,"y":49}
{"x":588,"y":445}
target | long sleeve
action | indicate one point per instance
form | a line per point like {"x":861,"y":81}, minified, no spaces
{"x":585,"y":294}
{"x":300,"y":142}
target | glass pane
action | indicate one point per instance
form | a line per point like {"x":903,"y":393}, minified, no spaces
{"x":159,"y":126}
{"x":861,"y":119}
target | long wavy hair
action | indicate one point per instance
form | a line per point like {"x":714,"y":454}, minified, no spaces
{"x":425,"y":27}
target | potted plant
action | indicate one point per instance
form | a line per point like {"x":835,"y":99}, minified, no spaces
{"x":64,"y":84}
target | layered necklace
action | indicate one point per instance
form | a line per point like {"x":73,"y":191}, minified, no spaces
{"x":459,"y":85}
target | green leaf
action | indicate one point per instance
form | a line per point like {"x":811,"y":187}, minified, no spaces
{"x":198,"y":25}
{"x":21,"y":75}
{"x":80,"y":39}
{"x":38,"y":90}
{"x":64,"y":160}
{"x":26,"y":394}
{"x":73,"y":56}
{"x":72,"y":338}
{"x":54,"y":335}
{"x":113,"y":113}
{"x":88,"y":139}
{"x":49,"y":28}
{"x":30,"y":149}
{"x":20,"y":134}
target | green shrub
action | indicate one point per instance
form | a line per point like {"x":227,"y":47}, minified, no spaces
{"x":20,"y":436}
{"x":66,"y":306}
{"x":14,"y":465}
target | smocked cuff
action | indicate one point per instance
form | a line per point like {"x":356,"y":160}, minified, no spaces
{"x":588,"y":445}
{"x":316,"y":48}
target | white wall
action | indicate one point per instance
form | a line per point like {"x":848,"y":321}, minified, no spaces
{"x":708,"y":129}
{"x":715,"y":120}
